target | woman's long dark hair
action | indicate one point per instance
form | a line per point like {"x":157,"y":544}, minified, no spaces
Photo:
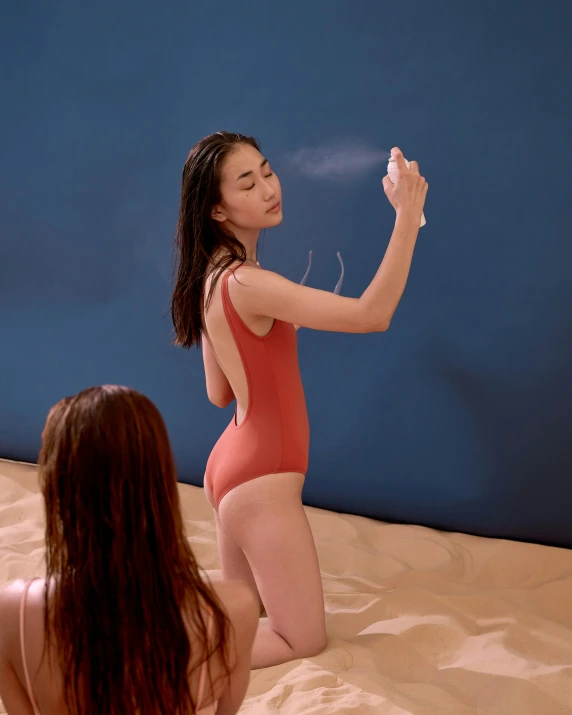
{"x":126,"y":589}
{"x":199,"y":236}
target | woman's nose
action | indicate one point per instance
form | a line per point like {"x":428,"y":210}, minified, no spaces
{"x":269,"y":191}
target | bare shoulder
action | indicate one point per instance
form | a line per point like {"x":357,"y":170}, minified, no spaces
{"x":249,"y":285}
{"x":11,"y":595}
{"x":252,"y":276}
{"x":10,"y":598}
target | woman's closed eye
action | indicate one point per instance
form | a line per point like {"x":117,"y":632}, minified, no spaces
{"x":267,"y":176}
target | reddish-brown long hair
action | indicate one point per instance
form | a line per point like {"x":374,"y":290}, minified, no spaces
{"x":123,"y":573}
{"x":199,"y":236}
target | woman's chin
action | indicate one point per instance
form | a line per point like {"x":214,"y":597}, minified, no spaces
{"x":274,"y":219}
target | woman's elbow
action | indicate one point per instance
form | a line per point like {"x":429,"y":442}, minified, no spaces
{"x":370,"y":320}
{"x":374,"y":324}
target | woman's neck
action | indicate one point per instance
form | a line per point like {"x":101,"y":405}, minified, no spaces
{"x":250,"y":255}
{"x":249,"y":239}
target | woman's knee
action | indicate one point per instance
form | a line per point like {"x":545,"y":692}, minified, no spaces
{"x":312,"y":646}
{"x":311,"y":642}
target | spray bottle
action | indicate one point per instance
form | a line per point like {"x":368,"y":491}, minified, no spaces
{"x":392,"y":173}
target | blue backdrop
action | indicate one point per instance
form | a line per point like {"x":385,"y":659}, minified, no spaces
{"x":460,"y":416}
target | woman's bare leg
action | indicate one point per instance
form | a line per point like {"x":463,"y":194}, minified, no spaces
{"x":265,"y":517}
{"x":233,"y":562}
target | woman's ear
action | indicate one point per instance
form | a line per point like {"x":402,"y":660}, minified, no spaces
{"x":218,"y":214}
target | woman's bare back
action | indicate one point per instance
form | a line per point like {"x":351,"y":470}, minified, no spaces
{"x":47,"y":685}
{"x":221,"y":337}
